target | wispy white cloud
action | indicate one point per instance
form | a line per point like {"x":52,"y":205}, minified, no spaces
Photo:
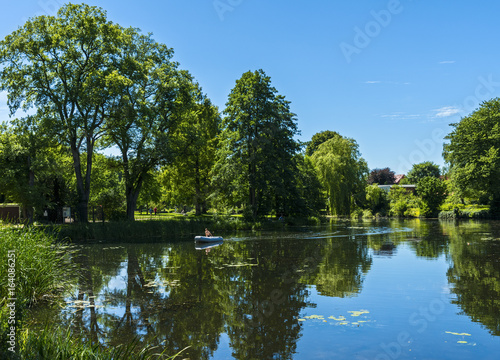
{"x":386,"y":82}
{"x":447,"y":62}
{"x":399,"y":116}
{"x":446,"y":111}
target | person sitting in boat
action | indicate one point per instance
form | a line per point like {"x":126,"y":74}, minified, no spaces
{"x":208,"y":233}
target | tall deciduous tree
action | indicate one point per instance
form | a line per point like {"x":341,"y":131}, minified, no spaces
{"x":432,"y":191}
{"x":188,"y":178}
{"x":63,"y":65}
{"x":151,"y":104}
{"x":318,"y":139}
{"x":381,"y":177}
{"x":474,"y":152}
{"x":255,"y":161}
{"x":422,"y":170}
{"x":342,"y":172}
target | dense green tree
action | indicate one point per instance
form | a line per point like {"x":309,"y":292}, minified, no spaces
{"x":310,"y":199}
{"x":318,"y":139}
{"x":63,"y":65}
{"x":422,"y":170}
{"x":382,"y":176}
{"x":18,"y":165}
{"x":151,"y":193}
{"x":403,"y":202}
{"x":107,"y":188}
{"x":151,"y":103}
{"x":255,"y":161}
{"x":342,"y":172}
{"x":187,"y":180}
{"x":32,"y":167}
{"x":473,"y":153}
{"x":432,"y":191}
{"x":376,"y":199}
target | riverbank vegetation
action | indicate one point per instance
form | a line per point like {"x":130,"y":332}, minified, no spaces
{"x":42,"y":270}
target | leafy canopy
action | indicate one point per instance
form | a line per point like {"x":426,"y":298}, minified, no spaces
{"x":64,"y":65}
{"x":342,"y":172}
{"x":381,"y":176}
{"x":473,"y":152}
{"x":422,"y":170}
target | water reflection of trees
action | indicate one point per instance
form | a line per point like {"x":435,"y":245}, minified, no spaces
{"x":174,"y":297}
{"x":341,"y":267}
{"x":475,"y":273}
{"x":427,"y":238}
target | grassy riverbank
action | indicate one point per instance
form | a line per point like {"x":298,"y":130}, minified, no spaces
{"x":35,"y":268}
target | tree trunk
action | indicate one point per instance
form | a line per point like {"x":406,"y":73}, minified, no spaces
{"x":132,"y":194}
{"x":83,"y":195}
{"x":132,"y":204}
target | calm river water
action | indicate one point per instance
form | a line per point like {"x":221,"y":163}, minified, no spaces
{"x":378,"y":290}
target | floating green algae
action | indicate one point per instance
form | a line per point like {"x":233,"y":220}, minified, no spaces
{"x":339,"y":320}
{"x":358,"y":313}
{"x":458,"y":334}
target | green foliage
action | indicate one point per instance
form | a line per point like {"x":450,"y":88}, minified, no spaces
{"x":18,"y":164}
{"x":35,"y":171}
{"x":403,"y":203}
{"x":108,"y":188}
{"x":43,"y":268}
{"x":473,"y":153}
{"x":367,"y":214}
{"x":64,"y":65}
{"x":187,"y":179}
{"x":381,"y":177}
{"x":460,"y":211}
{"x":432,"y":192}
{"x":422,"y":170}
{"x":153,"y":100}
{"x":57,"y":343}
{"x":342,"y":172}
{"x":318,"y":139}
{"x":310,"y":198}
{"x":376,"y":200}
{"x":255,"y":163}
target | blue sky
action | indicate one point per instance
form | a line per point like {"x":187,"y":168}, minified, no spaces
{"x":390,"y":74}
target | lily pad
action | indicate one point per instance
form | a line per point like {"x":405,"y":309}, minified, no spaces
{"x":358,"y":313}
{"x":458,"y":334}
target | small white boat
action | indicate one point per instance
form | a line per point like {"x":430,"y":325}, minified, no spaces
{"x":208,"y":238}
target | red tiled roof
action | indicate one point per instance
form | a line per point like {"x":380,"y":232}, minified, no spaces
{"x":398,"y":178}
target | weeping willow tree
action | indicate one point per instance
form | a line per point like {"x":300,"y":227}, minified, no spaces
{"x":342,"y":172}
